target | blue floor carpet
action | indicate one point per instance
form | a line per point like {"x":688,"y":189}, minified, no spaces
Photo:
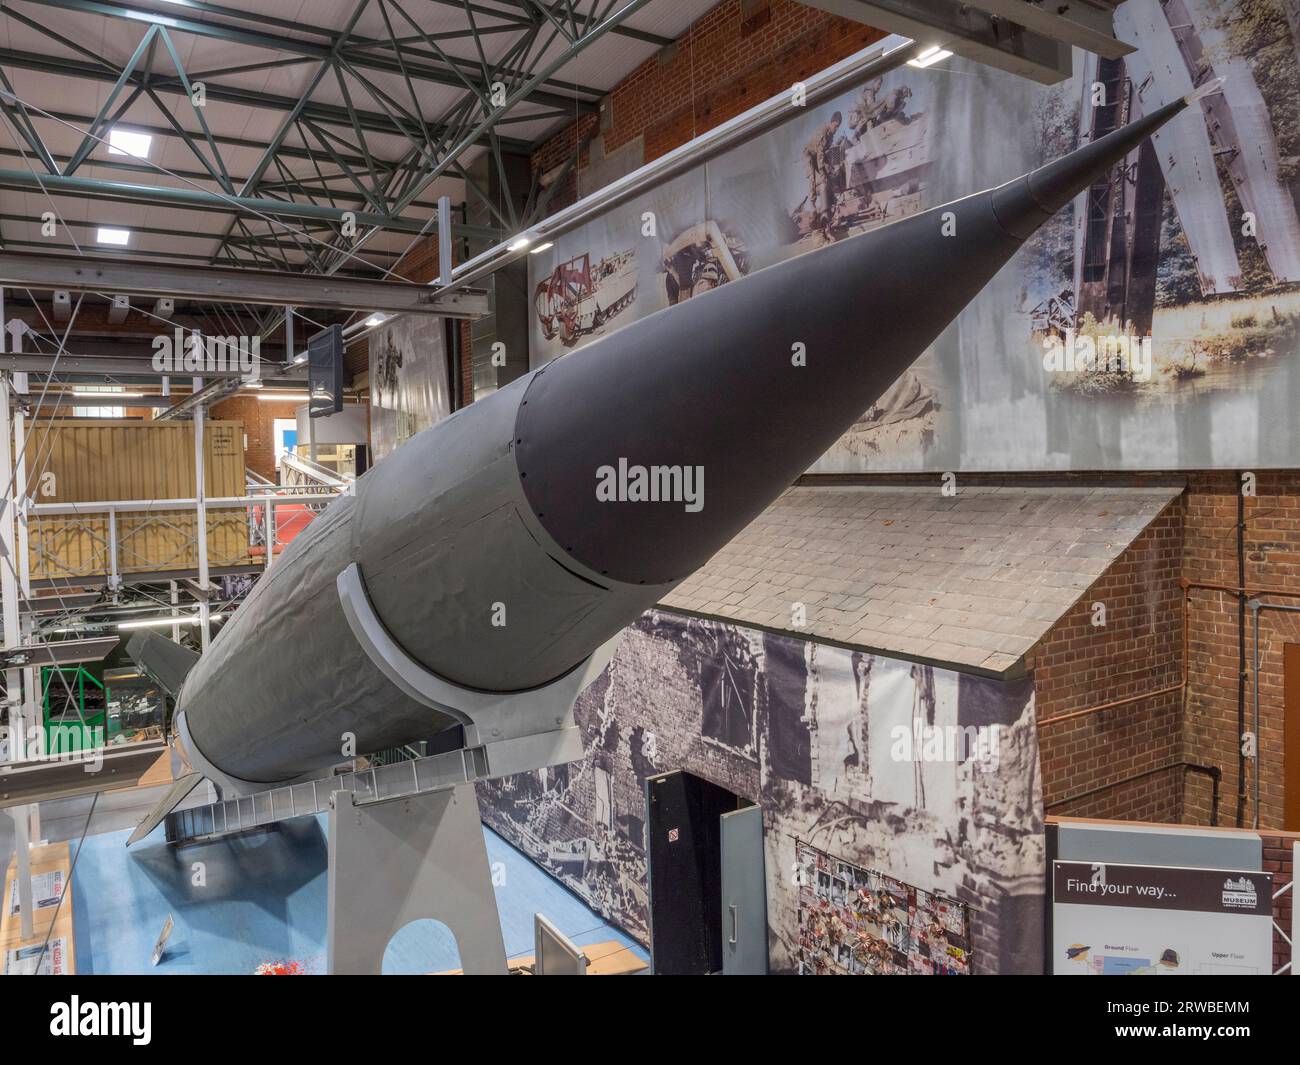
{"x":239,"y":903}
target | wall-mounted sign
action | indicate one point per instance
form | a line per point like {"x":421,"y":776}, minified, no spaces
{"x":1144,"y":920}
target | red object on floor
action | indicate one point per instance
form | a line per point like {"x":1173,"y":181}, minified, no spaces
{"x":281,"y":968}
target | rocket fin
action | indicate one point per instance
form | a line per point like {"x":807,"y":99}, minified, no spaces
{"x":179,"y":789}
{"x":164,"y":660}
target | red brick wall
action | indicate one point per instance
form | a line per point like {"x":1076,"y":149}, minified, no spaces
{"x":1272,"y":548}
{"x":735,"y":56}
{"x":1209,"y":729}
{"x":1138,"y":651}
{"x":258,"y":419}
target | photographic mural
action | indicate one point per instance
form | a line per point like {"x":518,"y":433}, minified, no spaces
{"x":924,"y":782}
{"x":1154,"y":324}
{"x":408,"y":381}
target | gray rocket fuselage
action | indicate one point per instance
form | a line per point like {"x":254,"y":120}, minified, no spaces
{"x":488,"y":552}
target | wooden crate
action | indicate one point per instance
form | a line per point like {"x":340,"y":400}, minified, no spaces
{"x":92,"y":461}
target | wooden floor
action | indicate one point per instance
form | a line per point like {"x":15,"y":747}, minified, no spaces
{"x":610,"y":958}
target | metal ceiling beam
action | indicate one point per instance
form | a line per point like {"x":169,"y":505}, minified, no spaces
{"x":335,"y":40}
{"x":959,"y":26}
{"x":371,"y":121}
{"x":223,"y":286}
{"x":1089,"y":24}
{"x":190,"y":198}
{"x":157,"y":231}
{"x":485,"y":126}
{"x":212,"y":392}
{"x":623,"y":31}
{"x":323,"y":192}
{"x":115,"y":366}
{"x":95,"y":254}
{"x":473,"y":118}
{"x":84,"y":121}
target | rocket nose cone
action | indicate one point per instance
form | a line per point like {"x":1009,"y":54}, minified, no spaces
{"x":644,"y":452}
{"x":1027,"y":202}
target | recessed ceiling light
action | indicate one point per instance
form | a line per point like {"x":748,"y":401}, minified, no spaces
{"x":519,"y":244}
{"x":121,"y":237}
{"x":929,"y":57}
{"x":377,"y":319}
{"x":127,"y":142}
{"x":544,"y":247}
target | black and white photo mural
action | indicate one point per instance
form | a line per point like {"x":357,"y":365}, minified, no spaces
{"x":921,"y":775}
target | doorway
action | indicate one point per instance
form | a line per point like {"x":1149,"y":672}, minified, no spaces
{"x":708,"y":896}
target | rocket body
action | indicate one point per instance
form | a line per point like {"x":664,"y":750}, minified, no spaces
{"x":503,"y":545}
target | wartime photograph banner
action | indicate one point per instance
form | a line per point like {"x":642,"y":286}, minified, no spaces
{"x":1153,"y":324}
{"x":919,"y":785}
{"x":408,"y":381}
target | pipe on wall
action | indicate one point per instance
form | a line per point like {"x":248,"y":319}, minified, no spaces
{"x":1212,"y":771}
{"x":1241,"y":663}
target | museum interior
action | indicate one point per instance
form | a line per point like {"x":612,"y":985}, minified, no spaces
{"x":614,"y":487}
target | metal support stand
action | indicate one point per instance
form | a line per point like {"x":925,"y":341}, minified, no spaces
{"x":405,"y":840}
{"x":391,"y":863}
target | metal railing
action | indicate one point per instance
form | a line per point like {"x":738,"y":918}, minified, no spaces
{"x":299,"y":472}
{"x":113,"y":538}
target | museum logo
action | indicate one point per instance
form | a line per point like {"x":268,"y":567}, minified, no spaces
{"x":1107,"y":354}
{"x":1240,"y":894}
{"x":946,"y":743}
{"x":133,"y":1019}
{"x":651,"y":484}
{"x":195,"y":354}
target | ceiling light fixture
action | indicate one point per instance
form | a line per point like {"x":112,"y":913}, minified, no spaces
{"x":128,"y":142}
{"x":120,"y":237}
{"x":929,"y":57}
{"x":164,"y":621}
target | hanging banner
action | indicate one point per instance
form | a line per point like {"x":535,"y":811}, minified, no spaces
{"x":408,"y":381}
{"x":1152,"y":324}
{"x":1140,"y":920}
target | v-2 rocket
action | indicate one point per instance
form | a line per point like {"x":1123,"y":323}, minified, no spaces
{"x":503,"y":545}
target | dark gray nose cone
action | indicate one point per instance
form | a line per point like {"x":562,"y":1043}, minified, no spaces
{"x":710,"y":389}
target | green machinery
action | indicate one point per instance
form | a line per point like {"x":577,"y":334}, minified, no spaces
{"x":75,"y":709}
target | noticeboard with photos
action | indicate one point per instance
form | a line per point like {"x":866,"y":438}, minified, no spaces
{"x":860,"y":921}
